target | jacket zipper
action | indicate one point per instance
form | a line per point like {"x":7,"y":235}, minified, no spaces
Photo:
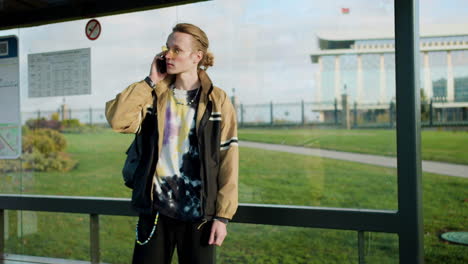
{"x":202,"y":153}
{"x":154,"y":150}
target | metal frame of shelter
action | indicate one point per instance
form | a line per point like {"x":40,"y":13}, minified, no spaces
{"x":406,"y":222}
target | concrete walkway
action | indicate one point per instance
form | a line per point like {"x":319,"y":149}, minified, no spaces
{"x":427,"y":166}
{"x":23,"y":259}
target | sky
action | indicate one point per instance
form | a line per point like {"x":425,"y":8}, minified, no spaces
{"x":262,"y":47}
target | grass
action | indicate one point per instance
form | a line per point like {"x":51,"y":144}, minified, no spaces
{"x":445,"y":146}
{"x":265,"y":177}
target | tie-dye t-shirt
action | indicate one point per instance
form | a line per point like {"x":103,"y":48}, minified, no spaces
{"x":178,"y":185}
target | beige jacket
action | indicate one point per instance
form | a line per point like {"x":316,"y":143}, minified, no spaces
{"x":216,"y":126}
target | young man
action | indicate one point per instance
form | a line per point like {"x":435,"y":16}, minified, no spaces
{"x":193,"y":191}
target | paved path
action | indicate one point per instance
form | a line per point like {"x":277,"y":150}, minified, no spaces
{"x":427,"y":166}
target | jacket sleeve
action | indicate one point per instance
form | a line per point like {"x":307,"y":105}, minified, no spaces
{"x":126,"y":111}
{"x":227,"y":198}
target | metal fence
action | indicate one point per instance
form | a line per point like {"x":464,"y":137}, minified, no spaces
{"x":266,"y":214}
{"x":443,"y":112}
{"x":90,"y":116}
{"x":362,"y":115}
{"x":328,"y":113}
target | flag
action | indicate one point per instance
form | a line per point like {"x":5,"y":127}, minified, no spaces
{"x":344,"y":10}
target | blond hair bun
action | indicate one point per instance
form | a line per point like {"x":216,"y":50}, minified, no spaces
{"x":201,"y":42}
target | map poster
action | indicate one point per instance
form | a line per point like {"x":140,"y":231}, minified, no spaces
{"x":10,"y":121}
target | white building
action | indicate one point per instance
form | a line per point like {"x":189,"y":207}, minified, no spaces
{"x":364,"y":63}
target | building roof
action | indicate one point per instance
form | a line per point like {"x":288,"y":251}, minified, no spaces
{"x":428,"y":30}
{"x":24,"y":13}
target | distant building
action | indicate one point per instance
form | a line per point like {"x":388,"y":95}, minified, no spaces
{"x":365,"y":65}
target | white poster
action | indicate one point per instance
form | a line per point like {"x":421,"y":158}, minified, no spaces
{"x":10,"y":123}
{"x":59,"y":73}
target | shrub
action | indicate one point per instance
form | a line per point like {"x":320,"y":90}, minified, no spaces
{"x":43,"y":123}
{"x":60,"y":143}
{"x":43,"y":151}
{"x":45,"y":140}
{"x":25,"y":130}
{"x":83,"y":129}
{"x":9,"y":165}
{"x":41,"y":143}
{"x":61,"y":161}
{"x":71,"y":123}
{"x":56,"y":161}
{"x":34,"y":160}
{"x":55,"y":116}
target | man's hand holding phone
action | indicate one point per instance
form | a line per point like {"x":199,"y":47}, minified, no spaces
{"x":158,"y":67}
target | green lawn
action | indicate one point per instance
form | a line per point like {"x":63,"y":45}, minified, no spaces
{"x":265,"y":177}
{"x":446,"y":146}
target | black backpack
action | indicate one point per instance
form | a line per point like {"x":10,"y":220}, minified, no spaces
{"x":140,"y":164}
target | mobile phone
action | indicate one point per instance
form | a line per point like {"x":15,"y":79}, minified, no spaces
{"x":161,"y":64}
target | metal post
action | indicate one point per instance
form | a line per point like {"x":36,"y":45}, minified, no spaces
{"x":2,"y":234}
{"x":465,"y":114}
{"x":392,"y":112}
{"x":90,"y":116}
{"x":408,"y":111}
{"x":431,"y":122}
{"x":302,"y":112}
{"x":355,"y":115}
{"x":62,"y":110}
{"x":69,"y":113}
{"x":336,"y":112}
{"x":94,"y":238}
{"x":345,"y":122}
{"x":242,"y":115}
{"x":38,"y":114}
{"x":271,"y":113}
{"x":361,"y":257}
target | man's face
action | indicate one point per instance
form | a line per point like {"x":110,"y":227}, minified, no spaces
{"x":181,"y":57}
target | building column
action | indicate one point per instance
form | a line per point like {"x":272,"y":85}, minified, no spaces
{"x":337,"y":78}
{"x":318,"y":79}
{"x":360,"y":82}
{"x":383,"y":79}
{"x":450,"y":84}
{"x":427,"y":76}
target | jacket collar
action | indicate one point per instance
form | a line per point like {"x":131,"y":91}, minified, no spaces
{"x":206,"y":84}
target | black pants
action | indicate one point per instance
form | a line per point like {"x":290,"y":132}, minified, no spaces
{"x":192,"y":243}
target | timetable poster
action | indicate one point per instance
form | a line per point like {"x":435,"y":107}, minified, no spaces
{"x":60,"y":73}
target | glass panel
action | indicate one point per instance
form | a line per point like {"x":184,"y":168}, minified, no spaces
{"x":249,"y":243}
{"x":348,"y":70}
{"x":264,"y":66}
{"x":316,"y":181}
{"x":52,"y":235}
{"x":438,"y":64}
{"x":447,"y":70}
{"x":13,"y":177}
{"x":117,"y":238}
{"x":327,"y":83}
{"x":285,"y":66}
{"x":315,"y":111}
{"x":371,"y":73}
{"x":460,"y":69}
{"x":380,"y":248}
